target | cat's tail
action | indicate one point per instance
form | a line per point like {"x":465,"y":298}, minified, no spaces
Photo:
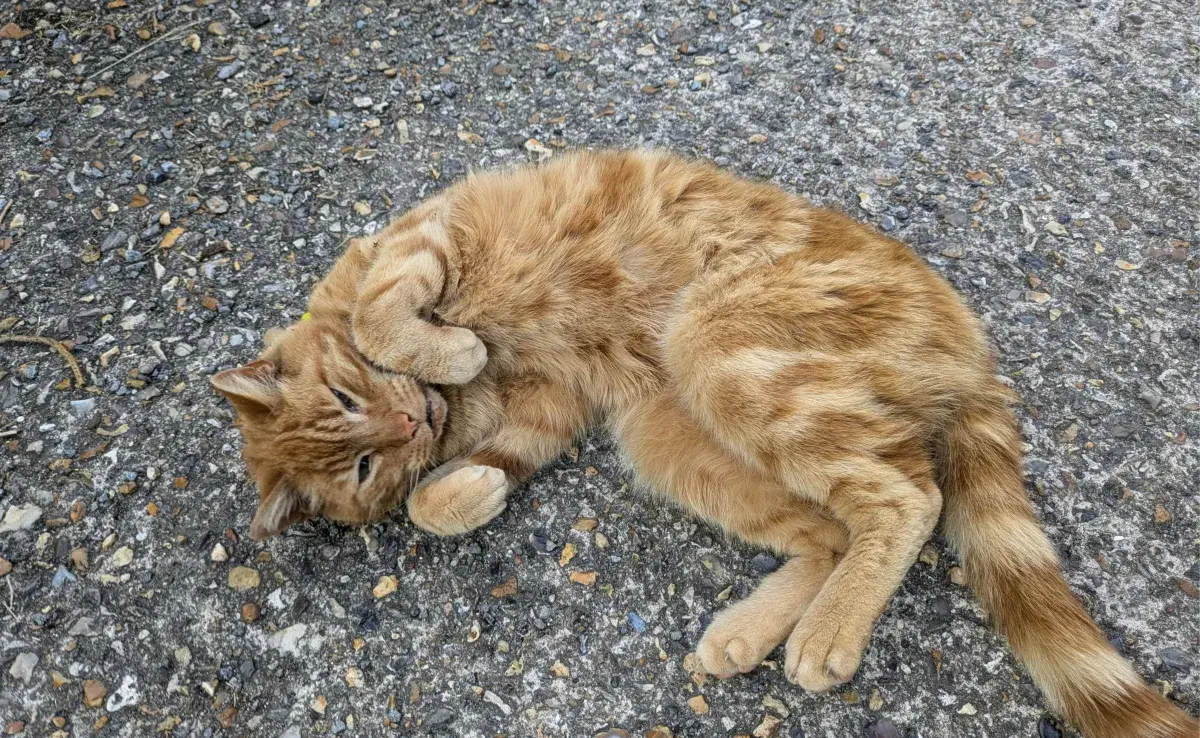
{"x":1014,"y":571}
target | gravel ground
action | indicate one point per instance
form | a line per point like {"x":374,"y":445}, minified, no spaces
{"x":175,"y":176}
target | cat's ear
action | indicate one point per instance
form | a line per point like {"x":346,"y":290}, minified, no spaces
{"x":253,"y":389}
{"x":283,"y":506}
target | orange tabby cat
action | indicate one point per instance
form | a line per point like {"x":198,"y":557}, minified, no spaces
{"x":792,"y":376}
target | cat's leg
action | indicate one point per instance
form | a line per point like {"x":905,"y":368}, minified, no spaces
{"x":889,"y":518}
{"x":742,"y":635}
{"x":768,"y":376}
{"x":540,"y":419}
{"x":674,"y":455}
{"x":391,"y":324}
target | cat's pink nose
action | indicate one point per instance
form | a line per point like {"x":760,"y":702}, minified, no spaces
{"x":404,"y":425}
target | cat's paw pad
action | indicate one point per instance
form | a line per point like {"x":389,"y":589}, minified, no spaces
{"x":822,"y":653}
{"x":464,"y":356}
{"x":735,"y":643}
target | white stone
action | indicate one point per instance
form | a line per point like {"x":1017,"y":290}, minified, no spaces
{"x":20,"y":517}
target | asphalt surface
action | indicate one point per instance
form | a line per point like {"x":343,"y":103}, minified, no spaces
{"x":174,"y":176}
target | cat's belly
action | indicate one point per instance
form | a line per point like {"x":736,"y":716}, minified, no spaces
{"x":669,"y":452}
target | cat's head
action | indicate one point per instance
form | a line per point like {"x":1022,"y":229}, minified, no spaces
{"x":326,"y":432}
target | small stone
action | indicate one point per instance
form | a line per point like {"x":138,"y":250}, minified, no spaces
{"x":20,"y":517}
{"x":928,"y":555}
{"x":967,"y":709}
{"x":764,"y":563}
{"x":876,"y":701}
{"x":1175,"y":659}
{"x":698,"y":704}
{"x":883,"y":728}
{"x":559,"y":669}
{"x":958,"y":576}
{"x":287,"y":641}
{"x":318,"y":704}
{"x":440,"y":716}
{"x":768,"y":727}
{"x":886,"y":179}
{"x":85,"y":626}
{"x":256,"y":18}
{"x":219,"y":553}
{"x":386,"y":586}
{"x":585,"y":525}
{"x":363,"y":101}
{"x":586,"y":578}
{"x":94,"y":693}
{"x":1047,"y":728}
{"x":217,"y":204}
{"x":250,"y":612}
{"x":508,"y":589}
{"x":362,"y":208}
{"x":242,"y":578}
{"x":81,"y":408}
{"x":568,"y":553}
{"x":1055,"y":228}
{"x":1028,"y":21}
{"x":1161,"y":515}
{"x":125,"y":696}
{"x":773,"y":703}
{"x":122,"y":557}
{"x":354,"y":678}
{"x":16,"y":727}
{"x":1147,"y":395}
{"x":5,"y":566}
{"x":660,"y":731}
{"x":22,"y":666}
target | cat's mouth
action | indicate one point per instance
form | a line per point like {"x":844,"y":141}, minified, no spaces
{"x":436,"y":411}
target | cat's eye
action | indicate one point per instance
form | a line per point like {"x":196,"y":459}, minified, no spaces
{"x":364,"y":468}
{"x":345,"y":400}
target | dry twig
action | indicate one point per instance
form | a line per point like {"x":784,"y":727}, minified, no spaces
{"x":62,"y":350}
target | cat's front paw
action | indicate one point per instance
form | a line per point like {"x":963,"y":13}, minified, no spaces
{"x":459,"y":502}
{"x":824,"y":650}
{"x":454,"y":356}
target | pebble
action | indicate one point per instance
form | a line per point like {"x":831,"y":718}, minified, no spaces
{"x":81,"y":408}
{"x":20,"y":517}
{"x":114,"y":240}
{"x":219,"y":553}
{"x":698,"y":704}
{"x":636,"y":622}
{"x":250,"y":612}
{"x":217,"y":204}
{"x":5,"y":566}
{"x":242,"y":578}
{"x":22,"y":666}
{"x":61,"y":578}
{"x":122,"y":557}
{"x":1048,"y":729}
{"x":883,"y":728}
{"x":764,"y":563}
{"x":287,"y":641}
{"x":1175,"y":658}
{"x":386,"y":586}
{"x":440,"y":716}
{"x":125,"y":696}
{"x":85,"y":626}
{"x":94,"y":692}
